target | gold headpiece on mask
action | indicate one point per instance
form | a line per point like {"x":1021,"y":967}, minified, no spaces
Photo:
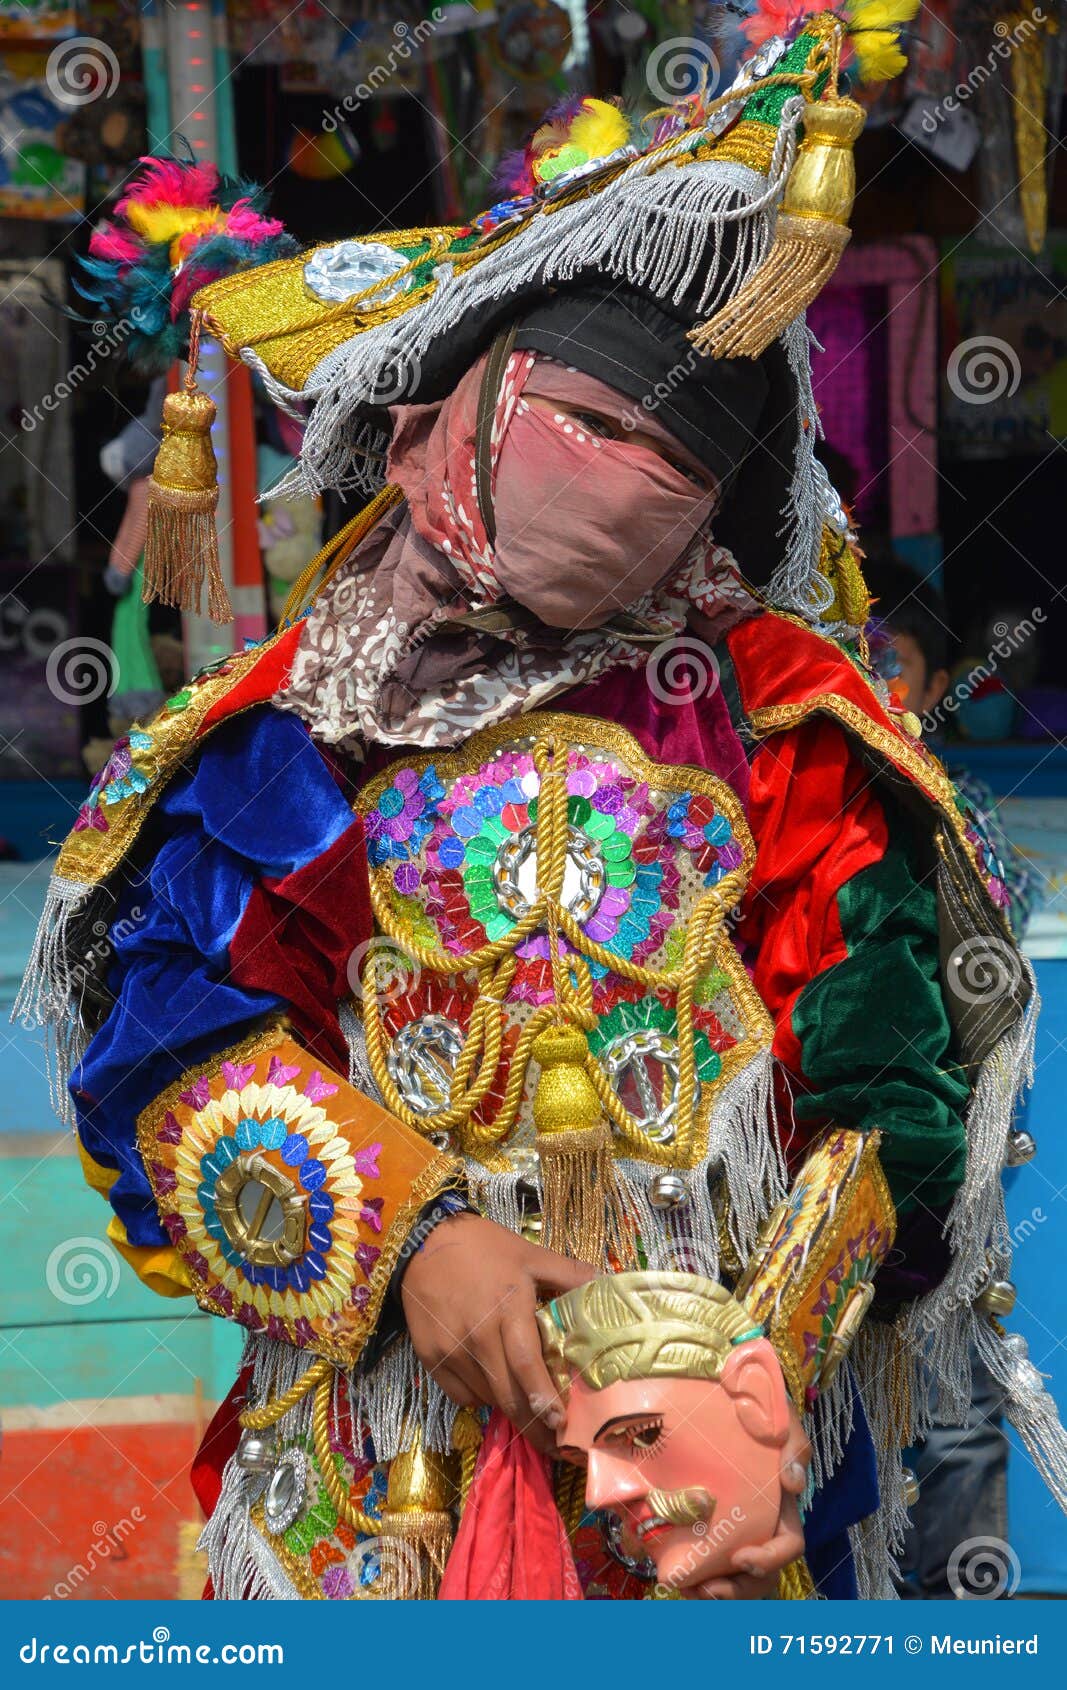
{"x":642,"y":1326}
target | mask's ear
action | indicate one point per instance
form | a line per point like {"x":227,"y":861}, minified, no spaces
{"x":753,"y":1379}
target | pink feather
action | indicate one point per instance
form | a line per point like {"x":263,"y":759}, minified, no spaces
{"x":165,"y":182}
{"x":245,"y":224}
{"x":117,"y":245}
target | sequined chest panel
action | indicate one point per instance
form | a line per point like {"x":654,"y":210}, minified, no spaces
{"x":549,"y":870}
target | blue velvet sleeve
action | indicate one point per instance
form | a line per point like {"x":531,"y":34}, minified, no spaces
{"x":259,"y":805}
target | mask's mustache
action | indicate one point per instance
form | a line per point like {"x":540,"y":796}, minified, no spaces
{"x":681,"y":1507}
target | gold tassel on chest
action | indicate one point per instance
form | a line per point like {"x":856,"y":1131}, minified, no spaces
{"x":584,"y":1216}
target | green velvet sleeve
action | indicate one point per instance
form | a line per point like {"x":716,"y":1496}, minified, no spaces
{"x":875,"y":1036}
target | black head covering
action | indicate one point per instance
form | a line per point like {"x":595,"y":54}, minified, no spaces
{"x":737,"y":415}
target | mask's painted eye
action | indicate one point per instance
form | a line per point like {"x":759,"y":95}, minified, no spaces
{"x":646,"y":1438}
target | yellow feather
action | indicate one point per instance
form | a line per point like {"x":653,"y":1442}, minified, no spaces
{"x":882,"y":14}
{"x":878,"y":55}
{"x":599,"y":129}
{"x":159,"y":223}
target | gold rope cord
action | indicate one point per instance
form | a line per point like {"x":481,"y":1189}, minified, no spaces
{"x":494,"y":965}
{"x":319,"y":1378}
{"x":330,"y":556}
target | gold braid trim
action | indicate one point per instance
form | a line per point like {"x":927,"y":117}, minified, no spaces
{"x":795,"y":1583}
{"x":925,"y":771}
{"x":337,"y":551}
{"x":332,"y":1481}
{"x":319,"y":1377}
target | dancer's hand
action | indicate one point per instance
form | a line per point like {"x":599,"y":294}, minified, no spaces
{"x":470,"y":1295}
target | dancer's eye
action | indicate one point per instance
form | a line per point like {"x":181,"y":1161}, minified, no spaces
{"x":603,"y":427}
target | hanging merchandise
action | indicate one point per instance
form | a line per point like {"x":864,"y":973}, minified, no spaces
{"x":1013,"y":77}
{"x":38,"y":379}
{"x":36,"y":20}
{"x":532,"y":40}
{"x":37,"y":180}
{"x":320,"y":157}
{"x":1005,"y":316}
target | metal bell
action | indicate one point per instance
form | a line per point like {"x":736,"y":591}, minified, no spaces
{"x":997,"y":1297}
{"x":1022,"y":1148}
{"x":668,"y":1191}
{"x":911,"y":1487}
{"x":255,"y":1453}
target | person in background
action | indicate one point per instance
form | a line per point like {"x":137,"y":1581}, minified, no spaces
{"x":911,"y":628}
{"x":961,"y":1470}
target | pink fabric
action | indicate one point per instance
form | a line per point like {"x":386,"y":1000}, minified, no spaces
{"x":511,"y":1545}
{"x":397,"y":649}
{"x":128,"y":543}
{"x":612,"y":516}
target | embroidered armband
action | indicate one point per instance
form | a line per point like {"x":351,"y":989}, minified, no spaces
{"x":811,"y":1279}
{"x":287,"y":1193}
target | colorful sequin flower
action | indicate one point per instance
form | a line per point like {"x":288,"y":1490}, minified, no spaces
{"x":399,"y":824}
{"x":126,"y":773}
{"x":263,"y":1182}
{"x":706,"y":834}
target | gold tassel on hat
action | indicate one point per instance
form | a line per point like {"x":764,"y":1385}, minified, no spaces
{"x":811,"y":234}
{"x":181,"y":545}
{"x":584,"y":1216}
{"x":415,"y":1531}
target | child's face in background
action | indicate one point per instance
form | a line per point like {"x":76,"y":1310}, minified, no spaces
{"x":921,"y":691}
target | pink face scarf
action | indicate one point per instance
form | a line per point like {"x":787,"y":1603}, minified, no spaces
{"x":586,"y":527}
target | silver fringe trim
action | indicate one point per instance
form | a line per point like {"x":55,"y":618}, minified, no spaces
{"x":239,"y":1561}
{"x":50,"y":995}
{"x":649,"y":228}
{"x":1027,"y":1404}
{"x":797,"y":584}
{"x":829,"y":1427}
{"x":359,"y":1068}
{"x":942,"y":1326}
